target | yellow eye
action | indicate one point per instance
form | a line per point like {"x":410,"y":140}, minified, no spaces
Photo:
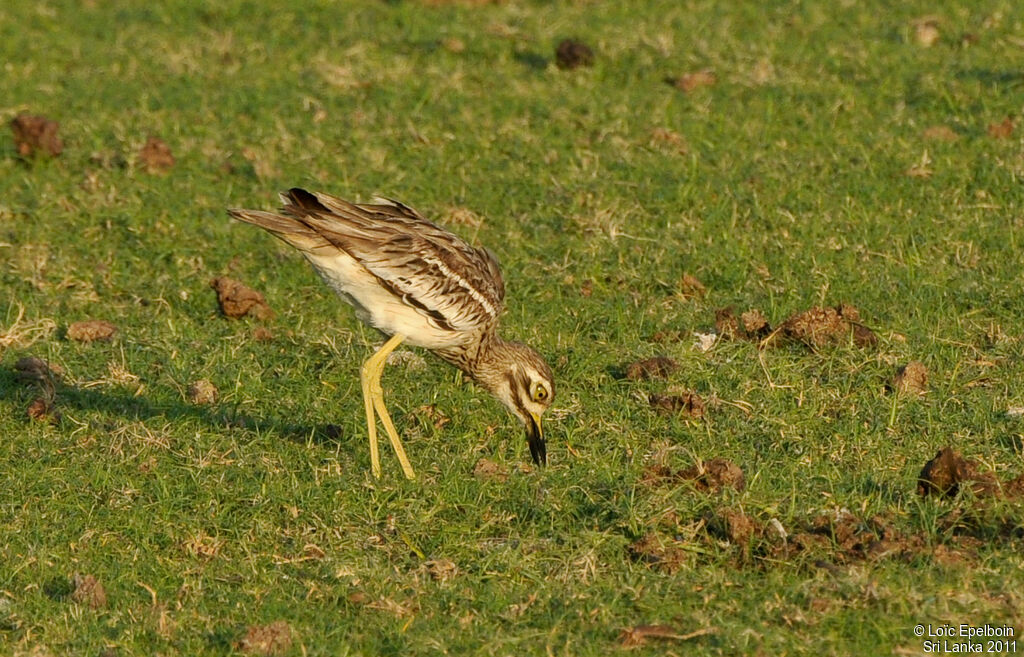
{"x":540,"y":393}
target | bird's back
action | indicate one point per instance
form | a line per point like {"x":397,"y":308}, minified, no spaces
{"x":403,"y":273}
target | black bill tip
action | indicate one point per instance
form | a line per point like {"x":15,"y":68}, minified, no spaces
{"x":535,"y":438}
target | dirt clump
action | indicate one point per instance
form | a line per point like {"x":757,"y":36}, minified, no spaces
{"x":1003,"y":130}
{"x":267,"y":640}
{"x":156,"y":156}
{"x":686,"y":403}
{"x":755,"y":325}
{"x":707,"y":477}
{"x":945,"y":474}
{"x":31,"y":369}
{"x":91,"y":330}
{"x":690,"y":82}
{"x":237,"y":300}
{"x":42,"y":409}
{"x":36,"y":135}
{"x":658,"y":367}
{"x":1014,"y":489}
{"x":441,"y":570}
{"x":820,"y":327}
{"x":570,"y":54}
{"x":88,"y":591}
{"x":714,"y":475}
{"x":203,"y":392}
{"x":911,"y":379}
{"x":750,"y":325}
{"x":732,"y":525}
{"x":489,"y":470}
{"x":262,"y":334}
{"x":691,"y":287}
{"x":663,"y":553}
{"x":940,"y":133}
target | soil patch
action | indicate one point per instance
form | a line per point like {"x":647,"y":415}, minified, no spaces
{"x":489,"y":470}
{"x":663,"y":553}
{"x":732,"y":525}
{"x":267,"y":640}
{"x":36,"y":135}
{"x":690,"y":82}
{"x":570,"y":54}
{"x":688,"y":404}
{"x":42,"y":409}
{"x":658,"y":367}
{"x":156,"y":156}
{"x":707,"y":477}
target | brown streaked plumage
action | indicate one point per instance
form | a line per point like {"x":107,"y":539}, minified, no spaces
{"x":420,"y":284}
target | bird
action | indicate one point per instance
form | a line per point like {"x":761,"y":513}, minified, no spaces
{"x":417,"y":284}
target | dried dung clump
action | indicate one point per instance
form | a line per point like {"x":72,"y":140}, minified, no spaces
{"x":1014,"y":489}
{"x":911,"y":379}
{"x":751,"y":325}
{"x":940,"y":133}
{"x":267,"y":640}
{"x":755,"y":324}
{"x":262,"y":334}
{"x":1003,"y":130}
{"x":36,"y":370}
{"x":707,"y":477}
{"x":203,"y":392}
{"x":689,"y":404}
{"x":237,"y":300}
{"x":571,"y":54}
{"x":88,"y":591}
{"x":944,"y":475}
{"x":819,"y":327}
{"x":156,"y":155}
{"x":91,"y":330}
{"x":36,"y":135}
{"x":689,"y":82}
{"x":658,"y":367}
{"x":732,"y":525}
{"x":489,"y":470}
{"x":663,"y":553}
{"x":714,"y":475}
{"x":441,"y":570}
{"x":691,"y":287}
{"x":42,"y":409}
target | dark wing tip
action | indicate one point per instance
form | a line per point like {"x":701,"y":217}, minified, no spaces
{"x":304,"y":200}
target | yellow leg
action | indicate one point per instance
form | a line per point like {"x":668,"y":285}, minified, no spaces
{"x":373,"y":399}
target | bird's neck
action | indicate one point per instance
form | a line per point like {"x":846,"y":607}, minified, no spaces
{"x":481,"y":360}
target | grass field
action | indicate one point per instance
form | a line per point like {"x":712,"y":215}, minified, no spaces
{"x":859,"y":152}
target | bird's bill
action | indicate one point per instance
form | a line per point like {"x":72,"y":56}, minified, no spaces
{"x":535,"y":438}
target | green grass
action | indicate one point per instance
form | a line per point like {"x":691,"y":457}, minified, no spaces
{"x":790,"y":191}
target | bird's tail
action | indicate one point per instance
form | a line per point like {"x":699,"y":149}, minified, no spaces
{"x":288,"y":227}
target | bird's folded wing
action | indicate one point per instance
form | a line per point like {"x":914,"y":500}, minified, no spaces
{"x":452,"y":283}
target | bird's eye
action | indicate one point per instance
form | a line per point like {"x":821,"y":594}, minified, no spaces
{"x":540,"y":393}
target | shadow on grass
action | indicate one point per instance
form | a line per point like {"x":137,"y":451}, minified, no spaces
{"x":140,"y":408}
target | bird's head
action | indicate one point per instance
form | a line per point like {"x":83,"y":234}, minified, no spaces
{"x":522,"y":380}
